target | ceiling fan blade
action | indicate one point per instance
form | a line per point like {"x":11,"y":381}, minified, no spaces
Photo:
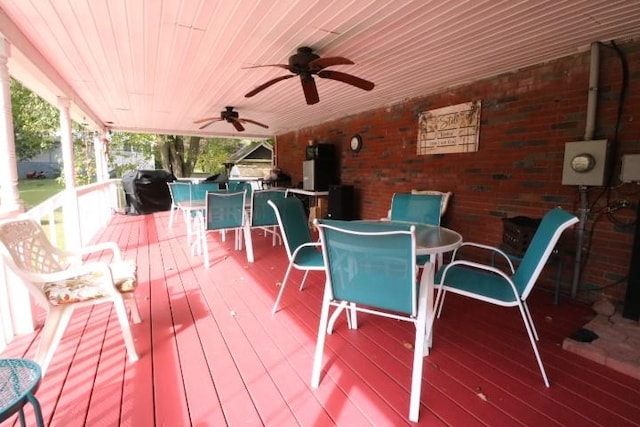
{"x":206,"y":119}
{"x":347,"y":78}
{"x":254,"y":122}
{"x":310,"y":90}
{"x":265,"y":85}
{"x":285,"y":66}
{"x":210,"y":122}
{"x":320,"y":63}
{"x":237,"y":125}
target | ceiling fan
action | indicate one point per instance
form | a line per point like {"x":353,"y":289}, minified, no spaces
{"x":306,"y":64}
{"x":229,"y":116}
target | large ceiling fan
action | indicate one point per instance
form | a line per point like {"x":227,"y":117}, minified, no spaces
{"x":229,"y":116}
{"x":306,"y":64}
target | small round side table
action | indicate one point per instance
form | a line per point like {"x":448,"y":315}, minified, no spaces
{"x":19,"y":380}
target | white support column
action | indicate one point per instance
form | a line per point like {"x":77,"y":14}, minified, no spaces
{"x":101,"y":152}
{"x":15,"y":305}
{"x":9,"y":195}
{"x":72,"y":231}
{"x":66,"y":141}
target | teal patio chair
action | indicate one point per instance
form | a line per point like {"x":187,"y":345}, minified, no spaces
{"x":199,"y":190}
{"x":418,"y":208}
{"x":489,"y":284}
{"x":224,"y":211}
{"x":180,"y":192}
{"x":235,"y":185}
{"x":262,"y":215}
{"x":303,"y":253}
{"x":371,"y":268}
{"x":446,"y":196}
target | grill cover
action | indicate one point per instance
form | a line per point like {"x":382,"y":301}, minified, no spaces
{"x":146,"y":191}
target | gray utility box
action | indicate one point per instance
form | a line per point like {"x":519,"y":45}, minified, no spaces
{"x":585,"y":163}
{"x":630,"y":168}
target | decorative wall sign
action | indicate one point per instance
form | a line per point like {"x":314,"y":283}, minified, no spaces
{"x":452,"y":129}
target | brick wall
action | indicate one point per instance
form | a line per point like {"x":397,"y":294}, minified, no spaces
{"x":526,"y":118}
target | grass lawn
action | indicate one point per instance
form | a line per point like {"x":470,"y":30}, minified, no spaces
{"x":35,"y":191}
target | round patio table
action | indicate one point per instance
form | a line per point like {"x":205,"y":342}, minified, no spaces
{"x":19,"y":380}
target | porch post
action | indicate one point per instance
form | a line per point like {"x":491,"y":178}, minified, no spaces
{"x":9,"y":195}
{"x":15,"y":305}
{"x":67,"y":143}
{"x":72,"y":230}
{"x":101,"y":147}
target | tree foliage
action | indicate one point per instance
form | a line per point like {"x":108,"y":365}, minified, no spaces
{"x":179,"y":154}
{"x":84,"y":155}
{"x":215,"y":153}
{"x":35,"y":122}
{"x":130,"y":151}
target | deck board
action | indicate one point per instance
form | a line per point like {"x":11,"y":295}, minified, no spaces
{"x":212,"y":354}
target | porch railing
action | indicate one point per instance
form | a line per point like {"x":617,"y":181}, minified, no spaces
{"x":73,"y":218}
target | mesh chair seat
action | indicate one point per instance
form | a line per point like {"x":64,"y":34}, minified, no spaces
{"x":470,"y":282}
{"x":309,"y":257}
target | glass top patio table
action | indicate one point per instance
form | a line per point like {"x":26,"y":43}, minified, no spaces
{"x":19,"y":380}
{"x":430,"y":239}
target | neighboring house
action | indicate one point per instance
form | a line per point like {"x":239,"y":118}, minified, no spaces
{"x":254,"y":160}
{"x":48,"y":162}
{"x":131,"y":159}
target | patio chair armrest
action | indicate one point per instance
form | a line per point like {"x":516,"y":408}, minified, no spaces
{"x":492,"y":249}
{"x":479,"y":266}
{"x":305,"y":245}
{"x":106,"y":246}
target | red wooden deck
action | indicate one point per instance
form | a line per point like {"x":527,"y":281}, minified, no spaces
{"x":212,"y":354}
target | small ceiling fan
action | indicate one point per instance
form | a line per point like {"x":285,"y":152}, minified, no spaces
{"x":306,"y":64}
{"x":229,"y":116}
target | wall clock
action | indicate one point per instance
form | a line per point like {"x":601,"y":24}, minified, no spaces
{"x":356,"y":143}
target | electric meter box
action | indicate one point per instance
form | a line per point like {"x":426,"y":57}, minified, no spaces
{"x":585,"y":163}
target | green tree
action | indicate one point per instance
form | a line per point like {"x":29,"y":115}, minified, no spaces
{"x":215,"y":152}
{"x":127,"y":151}
{"x":35,"y":122}
{"x":83,"y":153}
{"x":179,"y":154}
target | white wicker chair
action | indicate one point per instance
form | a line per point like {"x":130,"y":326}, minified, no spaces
{"x":60,"y":281}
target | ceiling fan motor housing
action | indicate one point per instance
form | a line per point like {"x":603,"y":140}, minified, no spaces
{"x":299,"y":62}
{"x":229,"y":115}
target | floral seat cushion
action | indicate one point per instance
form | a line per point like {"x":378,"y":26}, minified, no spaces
{"x":87,"y":286}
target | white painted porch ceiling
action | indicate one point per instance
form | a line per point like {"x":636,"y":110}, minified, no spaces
{"x":158,"y":65}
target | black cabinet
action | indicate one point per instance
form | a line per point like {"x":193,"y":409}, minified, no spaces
{"x":341,"y":202}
